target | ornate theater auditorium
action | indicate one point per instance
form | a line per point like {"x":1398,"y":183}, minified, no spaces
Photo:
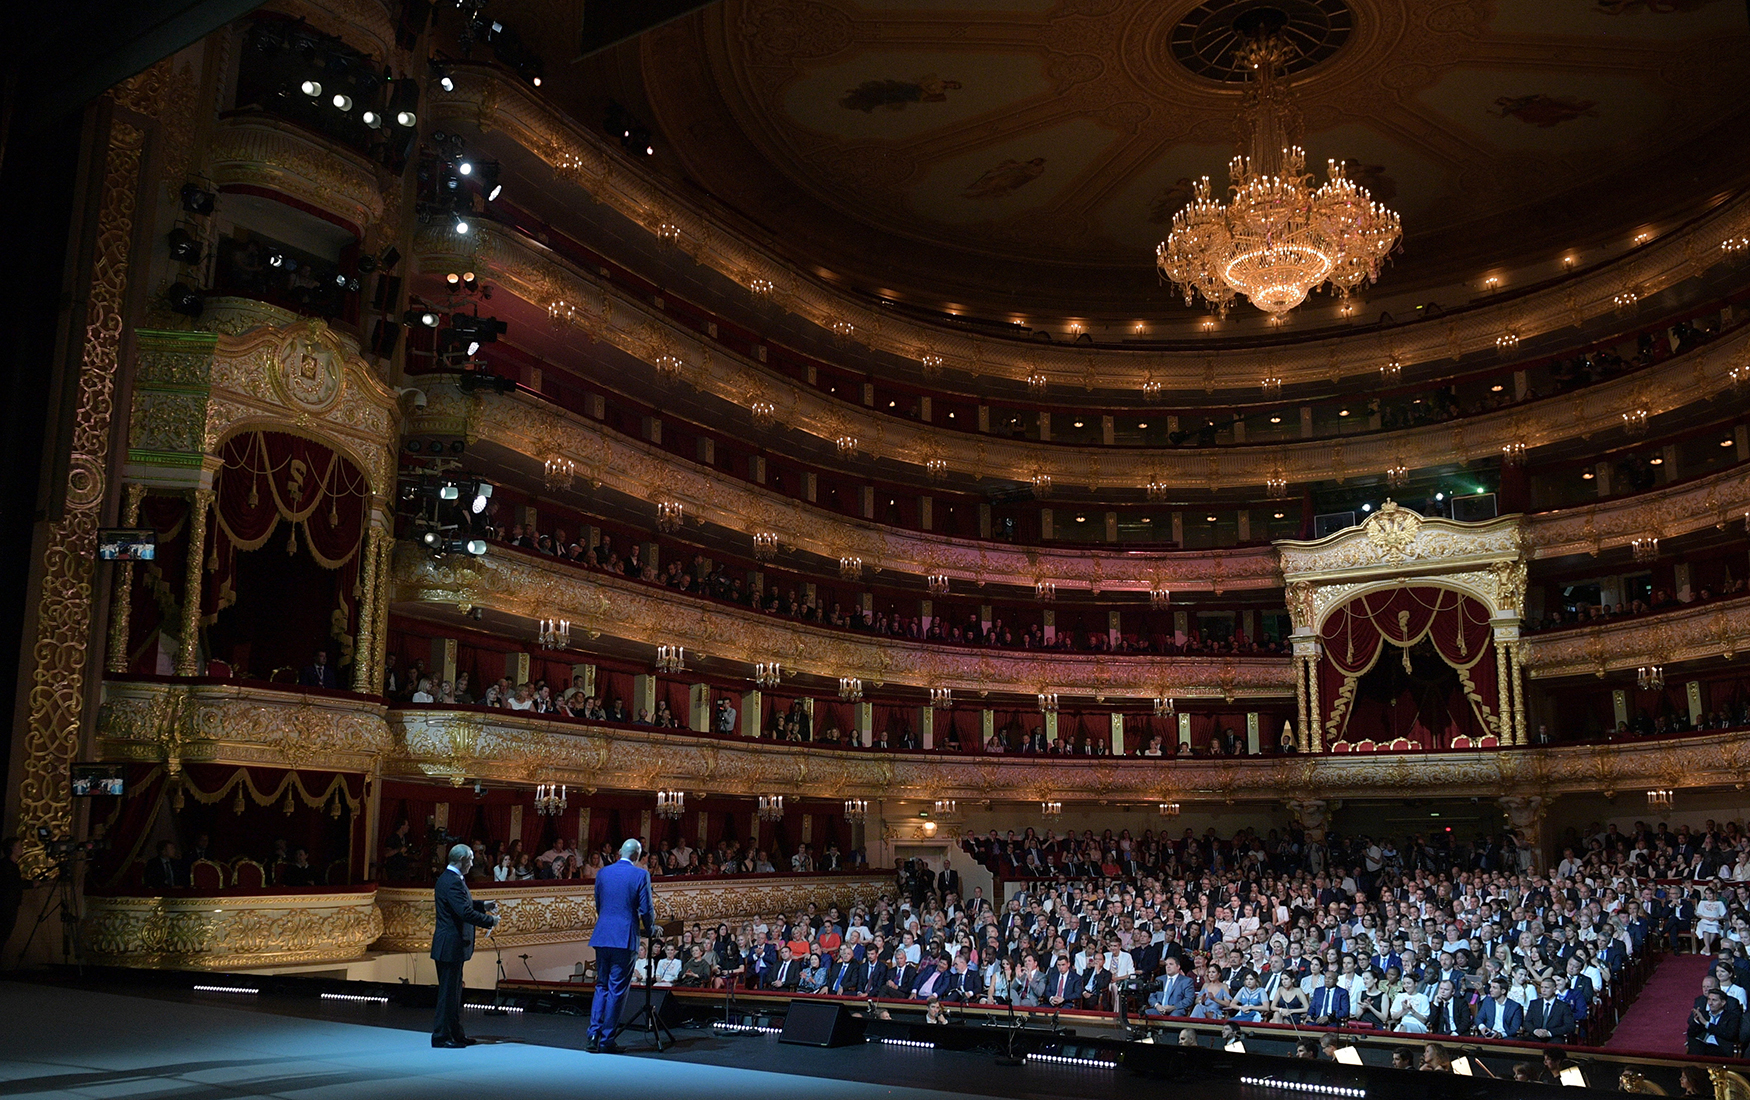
{"x":817,"y":436}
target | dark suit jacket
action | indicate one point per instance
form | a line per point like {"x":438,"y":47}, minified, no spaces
{"x":321,"y":676}
{"x":1508,"y":1019}
{"x":1725,"y":1031}
{"x":1061,"y":984}
{"x":785,"y":975}
{"x":898,"y":982}
{"x":164,"y":873}
{"x":1460,"y":1020}
{"x":1094,"y":984}
{"x":1560,"y":1022}
{"x":963,"y":987}
{"x":846,"y":979}
{"x":458,"y":914}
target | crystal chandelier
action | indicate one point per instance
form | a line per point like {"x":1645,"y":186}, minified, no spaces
{"x":1051,"y":808}
{"x":1045,"y":590}
{"x":1164,"y":707}
{"x":671,"y":659}
{"x":946,"y":807}
{"x":1660,"y":799}
{"x":1650,"y":677}
{"x":767,"y":674}
{"x":856,"y":809}
{"x":765,"y":545}
{"x":941,"y":698}
{"x":559,"y":473}
{"x":1048,"y":702}
{"x":670,"y":804}
{"x":771,"y":807}
{"x":1169,"y":809}
{"x":1277,"y":237}
{"x":549,"y":799}
{"x":937,"y":584}
{"x":850,"y":567}
{"x":1645,"y":547}
{"x":669,"y":514}
{"x":850,"y":689}
{"x":1159,"y":596}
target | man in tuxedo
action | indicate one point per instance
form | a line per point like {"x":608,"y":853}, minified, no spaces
{"x":1713,"y":1030}
{"x":318,"y":673}
{"x":785,"y":976}
{"x":1549,"y":1018}
{"x":1449,"y":1014}
{"x":1176,"y":993}
{"x":845,"y":977}
{"x":165,"y":872}
{"x":1063,"y":986}
{"x":1330,"y":1003}
{"x":623,"y":912}
{"x":1498,"y":1016}
{"x":452,"y":944}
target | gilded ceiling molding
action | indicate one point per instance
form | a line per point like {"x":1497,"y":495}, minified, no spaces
{"x":231,"y":933}
{"x":1720,"y":628}
{"x":536,"y":588}
{"x":601,"y":311}
{"x":238,"y":724}
{"x":558,"y":913}
{"x":500,"y":746}
{"x":489,"y":101}
{"x":607,"y":458}
{"x":261,"y":151}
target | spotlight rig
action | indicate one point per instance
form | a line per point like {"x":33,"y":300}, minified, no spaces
{"x":447,"y":512}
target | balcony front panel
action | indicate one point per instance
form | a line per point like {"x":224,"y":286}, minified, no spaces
{"x":1715,"y":629}
{"x":252,"y":150}
{"x":231,"y":932}
{"x":152,"y":721}
{"x":491,"y":102}
{"x":509,"y":747}
{"x":555,"y":912}
{"x":597,"y":603}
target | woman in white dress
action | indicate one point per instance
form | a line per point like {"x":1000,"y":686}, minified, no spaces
{"x":1708,"y":914}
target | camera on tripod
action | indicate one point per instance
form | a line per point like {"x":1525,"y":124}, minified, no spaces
{"x":66,"y":848}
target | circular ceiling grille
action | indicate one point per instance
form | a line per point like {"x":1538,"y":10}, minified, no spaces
{"x":1208,"y":39}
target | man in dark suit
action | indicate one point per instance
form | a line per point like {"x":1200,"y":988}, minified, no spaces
{"x":318,"y":673}
{"x":1063,"y":985}
{"x":948,"y":882}
{"x":1713,"y":1030}
{"x":845,"y":977}
{"x":1096,"y":982}
{"x":1549,"y":1018}
{"x":964,"y":984}
{"x":899,"y":979}
{"x":165,"y":872}
{"x":786,"y":975}
{"x":1449,"y":1014}
{"x":623,"y":911}
{"x":1499,"y":1016}
{"x":1330,"y":1003}
{"x":452,"y":944}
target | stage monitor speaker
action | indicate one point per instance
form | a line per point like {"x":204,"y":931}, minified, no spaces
{"x":667,"y":1009}
{"x":820,"y":1024}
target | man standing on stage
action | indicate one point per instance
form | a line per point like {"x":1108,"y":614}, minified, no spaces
{"x":452,"y":944}
{"x":622,"y":911}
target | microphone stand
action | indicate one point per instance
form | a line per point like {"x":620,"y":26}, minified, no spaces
{"x":652,"y":1024}
{"x":497,"y":1008}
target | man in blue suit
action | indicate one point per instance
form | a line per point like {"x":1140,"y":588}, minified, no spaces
{"x":1330,"y":1003}
{"x":1498,"y":1016}
{"x":1175,"y":994}
{"x":452,"y":944}
{"x":623,"y":911}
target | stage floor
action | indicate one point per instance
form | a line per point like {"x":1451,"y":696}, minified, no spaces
{"x":60,"y":1040}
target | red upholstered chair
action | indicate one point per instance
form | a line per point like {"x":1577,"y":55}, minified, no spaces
{"x":277,"y":873}
{"x":337,"y":873}
{"x":1403,"y":744}
{"x":1340,"y":746}
{"x":219,"y":670}
{"x":204,"y":874}
{"x":1461,"y":742}
{"x":284,"y":675}
{"x":1366,"y":745}
{"x":246,"y":874}
{"x":1488,"y":741}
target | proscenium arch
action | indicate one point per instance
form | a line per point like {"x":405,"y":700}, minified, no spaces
{"x":1451,"y":584}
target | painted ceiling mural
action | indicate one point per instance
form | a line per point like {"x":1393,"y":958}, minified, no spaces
{"x":956,"y":143}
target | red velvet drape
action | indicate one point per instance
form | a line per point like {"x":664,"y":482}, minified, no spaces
{"x":1355,"y":635}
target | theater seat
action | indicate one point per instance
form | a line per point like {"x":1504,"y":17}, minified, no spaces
{"x":246,"y":874}
{"x":1460,"y":742}
{"x":1488,"y":741}
{"x":204,"y":874}
{"x":1340,"y":746}
{"x":337,"y":873}
{"x":1404,"y":744}
{"x":1366,"y":746}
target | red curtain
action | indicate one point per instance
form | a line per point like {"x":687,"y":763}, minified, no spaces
{"x":1355,"y":635}
{"x":268,"y":477}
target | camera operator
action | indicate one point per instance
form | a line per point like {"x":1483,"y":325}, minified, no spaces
{"x":452,"y":944}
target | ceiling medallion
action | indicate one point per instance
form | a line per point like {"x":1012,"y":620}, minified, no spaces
{"x":1210,"y":40}
{"x":1277,"y":238}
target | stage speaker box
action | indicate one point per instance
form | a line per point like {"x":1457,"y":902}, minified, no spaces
{"x":667,"y":1009}
{"x":820,"y":1024}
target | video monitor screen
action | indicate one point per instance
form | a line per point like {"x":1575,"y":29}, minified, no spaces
{"x":127,"y":544}
{"x":93,"y":779}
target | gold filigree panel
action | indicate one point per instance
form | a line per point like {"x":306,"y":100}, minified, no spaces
{"x":1719,"y":628}
{"x":231,"y":933}
{"x":234,"y":724}
{"x":261,"y":151}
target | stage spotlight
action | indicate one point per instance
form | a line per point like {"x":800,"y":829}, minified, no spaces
{"x":465,"y":168}
{"x":482,"y":494}
{"x":371,"y":119}
{"x":276,"y":258}
{"x":342,"y":102}
{"x":185,"y":300}
{"x":311,"y":88}
{"x":450,"y":491}
{"x":196,"y":199}
{"x":489,"y":185}
{"x":462,"y":227}
{"x":423,"y":317}
{"x":430,"y":538}
{"x":453,"y":281}
{"x":406,"y":118}
{"x":469,"y":281}
{"x":184,"y":248}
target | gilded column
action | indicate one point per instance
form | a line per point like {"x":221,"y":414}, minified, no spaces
{"x":122,"y":596}
{"x":1315,"y":719}
{"x":61,"y":644}
{"x":1518,"y":695}
{"x":188,"y":657}
{"x":1300,"y":702}
{"x":380,"y":644}
{"x":1503,"y":693}
{"x":364,"y":651}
